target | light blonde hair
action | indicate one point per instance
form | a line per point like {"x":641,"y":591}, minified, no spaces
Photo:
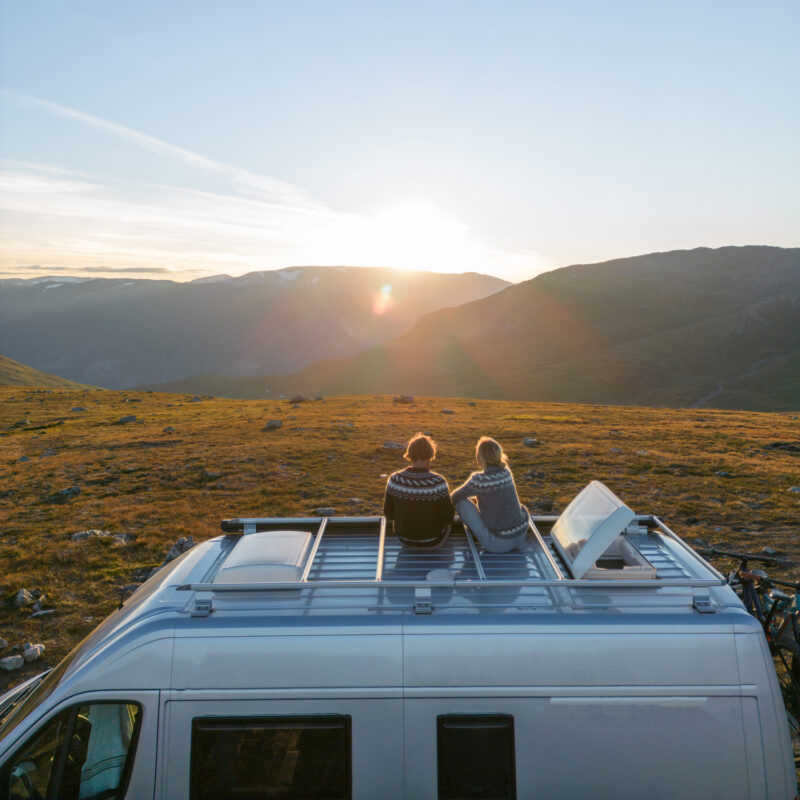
{"x":488,"y":453}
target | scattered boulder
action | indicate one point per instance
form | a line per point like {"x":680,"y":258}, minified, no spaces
{"x":23,"y":458}
{"x":40,"y":603}
{"x":183,"y":544}
{"x":722,"y":474}
{"x":21,"y":423}
{"x":47,"y":453}
{"x":126,"y":419}
{"x":24,"y":598}
{"x":614,"y":449}
{"x":325,"y":511}
{"x":63,"y":495}
{"x":545,"y":504}
{"x":78,"y":409}
{"x":528,"y":442}
{"x":795,"y":490}
{"x":272,"y":425}
{"x":10,"y":663}
{"x":448,"y":411}
{"x":3,"y":644}
{"x":768,"y":551}
{"x":196,"y":399}
{"x":699,"y":542}
{"x":393,"y":446}
{"x":471,"y":403}
{"x":122,"y":538}
{"x":168,"y":429}
{"x":403,"y":398}
{"x":32,"y":652}
{"x":44,"y":613}
{"x":297,"y":399}
{"x":354,"y":501}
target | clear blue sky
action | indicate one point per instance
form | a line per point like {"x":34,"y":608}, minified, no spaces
{"x":504,"y":137}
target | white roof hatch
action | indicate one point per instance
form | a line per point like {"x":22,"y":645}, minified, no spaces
{"x":588,"y":526}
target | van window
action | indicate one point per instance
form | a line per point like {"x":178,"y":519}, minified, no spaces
{"x":274,"y":758}
{"x":83,"y":753}
{"x":476,"y":756}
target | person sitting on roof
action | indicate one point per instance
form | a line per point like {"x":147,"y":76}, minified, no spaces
{"x":417,"y":501}
{"x":500,"y":521}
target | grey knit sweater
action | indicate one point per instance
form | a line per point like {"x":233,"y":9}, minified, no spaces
{"x":498,"y":502}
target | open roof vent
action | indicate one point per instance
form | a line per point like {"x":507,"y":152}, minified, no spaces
{"x":588,"y":535}
{"x":266,"y":557}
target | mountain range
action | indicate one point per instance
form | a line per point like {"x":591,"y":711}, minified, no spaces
{"x":119,"y":333}
{"x":703,"y":327}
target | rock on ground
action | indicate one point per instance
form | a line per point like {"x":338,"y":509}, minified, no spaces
{"x":3,"y":644}
{"x":403,"y":398}
{"x":181,"y":546}
{"x":528,"y":442}
{"x":272,"y":425}
{"x":326,"y":511}
{"x":126,"y":419}
{"x":393,"y":446}
{"x":32,"y":652}
{"x":23,"y":598}
{"x":10,"y":663}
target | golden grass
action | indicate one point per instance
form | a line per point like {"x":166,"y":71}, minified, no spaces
{"x":154,"y":485}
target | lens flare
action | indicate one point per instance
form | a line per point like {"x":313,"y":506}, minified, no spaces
{"x":382,"y":302}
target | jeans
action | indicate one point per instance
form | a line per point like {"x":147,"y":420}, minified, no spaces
{"x":473,"y":520}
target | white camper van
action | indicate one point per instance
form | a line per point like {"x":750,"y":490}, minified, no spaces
{"x":319,"y":658}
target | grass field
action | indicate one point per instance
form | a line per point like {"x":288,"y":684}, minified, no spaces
{"x":714,"y":475}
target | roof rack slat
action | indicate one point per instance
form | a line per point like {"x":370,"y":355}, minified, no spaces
{"x":474,"y":550}
{"x":313,"y":554}
{"x":381,"y":551}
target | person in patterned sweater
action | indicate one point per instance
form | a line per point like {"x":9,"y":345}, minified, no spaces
{"x":417,"y":501}
{"x":500,"y":522}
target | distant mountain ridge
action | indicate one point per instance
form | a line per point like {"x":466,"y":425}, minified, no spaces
{"x":123,"y":332}
{"x":717,"y":327}
{"x":12,"y":373}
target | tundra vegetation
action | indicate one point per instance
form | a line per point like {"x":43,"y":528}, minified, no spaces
{"x":151,"y":468}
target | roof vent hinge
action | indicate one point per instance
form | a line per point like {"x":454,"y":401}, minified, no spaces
{"x":422,"y":601}
{"x":702,"y":603}
{"x":201,"y":605}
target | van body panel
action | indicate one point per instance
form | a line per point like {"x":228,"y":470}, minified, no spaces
{"x":277,"y":661}
{"x":376,"y":731}
{"x":621,"y":749}
{"x":579,"y":658}
{"x":756,"y":667}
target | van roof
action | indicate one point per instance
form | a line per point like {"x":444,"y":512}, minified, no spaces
{"x":354,"y":570}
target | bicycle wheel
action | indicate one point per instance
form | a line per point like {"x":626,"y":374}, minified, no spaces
{"x":786,"y":657}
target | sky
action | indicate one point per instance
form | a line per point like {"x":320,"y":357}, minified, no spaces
{"x":185,"y":139}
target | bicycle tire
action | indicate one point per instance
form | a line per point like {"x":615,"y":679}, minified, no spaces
{"x":786,"y":658}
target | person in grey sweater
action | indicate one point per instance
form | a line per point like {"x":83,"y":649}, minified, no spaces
{"x":500,"y":521}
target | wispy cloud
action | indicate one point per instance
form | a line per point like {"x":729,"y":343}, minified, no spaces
{"x":93,"y":224}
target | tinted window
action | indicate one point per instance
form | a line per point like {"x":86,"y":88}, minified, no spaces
{"x":83,"y":753}
{"x":271,"y":758}
{"x":476,"y":757}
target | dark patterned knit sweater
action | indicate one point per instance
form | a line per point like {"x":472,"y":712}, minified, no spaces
{"x":418,"y":502}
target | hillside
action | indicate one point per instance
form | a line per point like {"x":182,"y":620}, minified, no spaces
{"x":12,"y":373}
{"x":701,"y":327}
{"x":117,"y":333}
{"x":180,"y":466}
